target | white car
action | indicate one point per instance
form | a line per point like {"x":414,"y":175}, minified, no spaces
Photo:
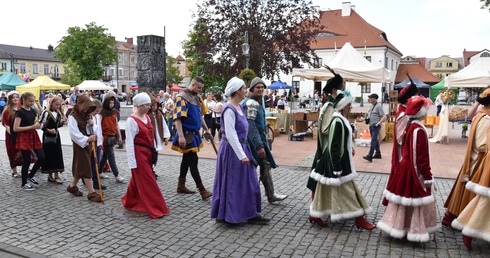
{"x":462,"y":96}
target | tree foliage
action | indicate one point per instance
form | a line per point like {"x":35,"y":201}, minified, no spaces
{"x":485,"y":4}
{"x":84,"y":51}
{"x":173,"y":73}
{"x":280,"y":33}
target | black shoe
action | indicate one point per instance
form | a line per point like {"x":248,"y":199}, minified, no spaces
{"x":377,"y":156}
{"x":103,"y":187}
{"x":368,"y":158}
{"x":259,"y":220}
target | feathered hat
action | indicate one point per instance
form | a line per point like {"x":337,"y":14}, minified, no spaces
{"x":408,"y":91}
{"x":484,"y":97}
{"x":417,"y":106}
{"x":335,"y":82}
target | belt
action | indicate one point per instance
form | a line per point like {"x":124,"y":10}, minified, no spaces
{"x":191,"y":132}
{"x":224,"y":139}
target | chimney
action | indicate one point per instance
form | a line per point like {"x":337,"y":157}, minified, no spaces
{"x":345,"y":9}
{"x":129,"y":41}
{"x":50,"y":48}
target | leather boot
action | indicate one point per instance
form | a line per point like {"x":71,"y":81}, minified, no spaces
{"x":204,"y":193}
{"x":467,"y":242}
{"x":448,"y":219}
{"x":181,"y":186}
{"x":361,"y":222}
{"x":266,"y":179}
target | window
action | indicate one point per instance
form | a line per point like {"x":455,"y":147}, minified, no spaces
{"x":35,"y":68}
{"x":449,"y":64}
{"x":391,"y":64}
{"x":46,"y":69}
{"x":438,"y":64}
{"x":3,"y":66}
{"x":386,"y":62}
{"x":120,"y":72}
{"x":133,"y":73}
{"x":486,"y":54}
{"x":296,"y":86}
{"x":317,"y":63}
{"x":133,"y":60}
{"x":368,"y":58}
{"x":56,"y":71}
{"x":22,"y":67}
{"x":112,"y":72}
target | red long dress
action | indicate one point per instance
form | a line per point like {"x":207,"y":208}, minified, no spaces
{"x":143,"y":193}
{"x":13,"y":153}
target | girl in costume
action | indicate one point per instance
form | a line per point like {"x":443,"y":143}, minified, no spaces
{"x":411,"y":209}
{"x":8,"y":115}
{"x":336,"y":193}
{"x":52,"y":118}
{"x":25,"y":126}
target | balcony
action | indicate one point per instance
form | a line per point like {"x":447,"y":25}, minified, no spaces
{"x":107,"y":78}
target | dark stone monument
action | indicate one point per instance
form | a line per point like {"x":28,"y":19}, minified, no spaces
{"x":151,"y":63}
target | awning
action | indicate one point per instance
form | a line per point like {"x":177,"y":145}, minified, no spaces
{"x":133,"y":83}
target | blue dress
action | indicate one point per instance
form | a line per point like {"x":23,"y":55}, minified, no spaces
{"x":236,"y":192}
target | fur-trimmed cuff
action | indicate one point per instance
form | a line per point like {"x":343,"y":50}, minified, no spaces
{"x":337,"y":173}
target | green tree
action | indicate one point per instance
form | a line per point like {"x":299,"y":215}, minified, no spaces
{"x":84,"y":51}
{"x":486,"y":4}
{"x":199,"y":51}
{"x":279,"y":40}
{"x":173,"y":74}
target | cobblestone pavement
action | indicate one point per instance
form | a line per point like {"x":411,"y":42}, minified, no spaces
{"x":49,"y":222}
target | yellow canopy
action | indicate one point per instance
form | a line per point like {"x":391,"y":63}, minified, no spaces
{"x":41,"y":83}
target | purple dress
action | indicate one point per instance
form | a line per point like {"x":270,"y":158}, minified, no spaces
{"x":236,"y":192}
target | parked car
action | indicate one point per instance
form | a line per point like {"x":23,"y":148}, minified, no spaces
{"x":462,"y":96}
{"x":121,"y":96}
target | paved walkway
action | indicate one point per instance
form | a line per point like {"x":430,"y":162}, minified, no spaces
{"x":52,"y":223}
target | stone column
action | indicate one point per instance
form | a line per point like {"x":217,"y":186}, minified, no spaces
{"x":151,"y":63}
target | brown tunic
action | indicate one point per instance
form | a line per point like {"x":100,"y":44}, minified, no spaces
{"x":81,"y":167}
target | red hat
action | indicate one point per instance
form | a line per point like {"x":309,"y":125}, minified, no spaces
{"x":417,"y":106}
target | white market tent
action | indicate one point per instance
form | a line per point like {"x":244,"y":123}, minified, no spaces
{"x":477,"y":74}
{"x":351,"y":65}
{"x":93,"y":85}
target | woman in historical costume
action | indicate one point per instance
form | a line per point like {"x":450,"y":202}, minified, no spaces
{"x":52,"y":118}
{"x":476,"y":149}
{"x":441,"y":135}
{"x":161,"y":132}
{"x":411,"y":211}
{"x":399,"y":125}
{"x":474,"y":218}
{"x":236,"y":192}
{"x":336,"y":193}
{"x":8,"y":115}
{"x":143,"y":193}
{"x":334,"y":86}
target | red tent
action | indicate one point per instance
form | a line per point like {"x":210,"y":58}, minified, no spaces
{"x":134,"y":87}
{"x":176,"y":88}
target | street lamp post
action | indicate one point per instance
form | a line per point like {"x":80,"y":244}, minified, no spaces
{"x":246,"y":49}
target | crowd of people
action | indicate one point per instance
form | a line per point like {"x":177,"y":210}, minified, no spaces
{"x":188,"y":118}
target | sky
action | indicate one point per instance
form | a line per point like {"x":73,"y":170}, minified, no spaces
{"x":421,"y":28}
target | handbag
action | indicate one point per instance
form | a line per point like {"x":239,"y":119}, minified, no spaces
{"x":217,"y":121}
{"x":50,"y":139}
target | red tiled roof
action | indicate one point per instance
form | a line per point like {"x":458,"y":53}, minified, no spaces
{"x":421,"y":60}
{"x":415,"y":71}
{"x":180,"y":58}
{"x":353,"y":29}
{"x":467,"y":55}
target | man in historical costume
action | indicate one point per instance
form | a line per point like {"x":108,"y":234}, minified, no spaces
{"x":333,"y":87}
{"x":81,"y":133}
{"x":399,"y":125}
{"x":460,"y":196}
{"x":411,"y":210}
{"x":188,"y":119}
{"x":257,"y":139}
{"x":336,"y":193}
{"x":474,"y":219}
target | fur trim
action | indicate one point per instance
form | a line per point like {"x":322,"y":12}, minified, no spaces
{"x":422,"y":112}
{"x":348,"y":215}
{"x":407,"y":201}
{"x":390,"y":230}
{"x":418,"y":237}
{"x":478,"y":189}
{"x":343,"y":102}
{"x":332,"y":181}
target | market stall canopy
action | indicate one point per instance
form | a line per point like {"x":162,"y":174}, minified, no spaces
{"x":41,"y":83}
{"x":8,"y":81}
{"x":417,"y":81}
{"x":279,"y":85}
{"x":477,"y":74}
{"x":351,"y":65}
{"x":93,"y":85}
